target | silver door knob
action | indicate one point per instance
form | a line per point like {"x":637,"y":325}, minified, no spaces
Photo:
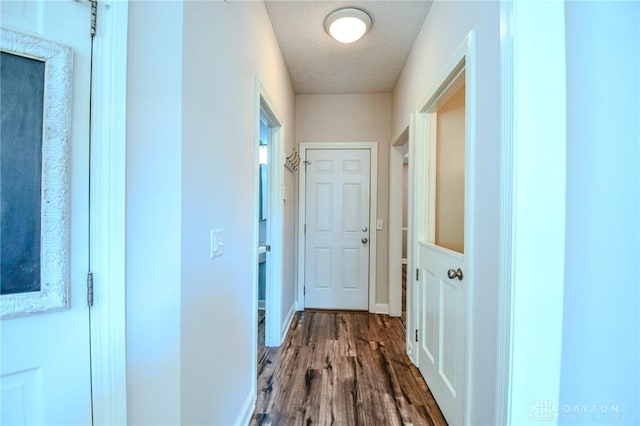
{"x":365,"y":229}
{"x":365,"y":240}
{"x":455,"y":273}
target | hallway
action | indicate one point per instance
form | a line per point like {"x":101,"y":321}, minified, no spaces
{"x":194,"y":74}
{"x":346,"y":368}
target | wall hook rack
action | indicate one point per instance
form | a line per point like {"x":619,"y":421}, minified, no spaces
{"x":292,"y":161}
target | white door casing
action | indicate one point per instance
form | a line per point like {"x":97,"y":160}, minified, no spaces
{"x":337,"y":228}
{"x":443,"y":301}
{"x":275,"y":331}
{"x":45,"y":356}
{"x":395,"y":224}
{"x":534,"y":70}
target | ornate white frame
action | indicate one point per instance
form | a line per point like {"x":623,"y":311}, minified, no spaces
{"x":54,"y":252}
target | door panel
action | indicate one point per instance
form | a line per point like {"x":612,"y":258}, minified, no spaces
{"x":441,"y":331}
{"x":337,"y":221}
{"x":429,"y":326}
{"x":45,"y":364}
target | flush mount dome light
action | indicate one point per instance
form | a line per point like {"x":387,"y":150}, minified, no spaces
{"x":347,"y":25}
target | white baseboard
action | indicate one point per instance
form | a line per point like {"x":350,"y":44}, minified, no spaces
{"x":247,"y":408}
{"x":287,"y":323}
{"x":382,"y":308}
{"x":410,"y":353}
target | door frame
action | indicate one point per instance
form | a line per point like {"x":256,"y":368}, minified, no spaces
{"x":274,"y":333}
{"x":108,"y":215}
{"x":373,"y":209}
{"x":396,"y":165}
{"x":463,"y":60}
{"x":533,"y":130}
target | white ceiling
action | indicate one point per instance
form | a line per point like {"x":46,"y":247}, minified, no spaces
{"x":319,"y":64}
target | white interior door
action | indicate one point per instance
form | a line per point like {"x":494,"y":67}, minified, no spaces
{"x":443,"y":232}
{"x":45,"y":364}
{"x":337,"y":228}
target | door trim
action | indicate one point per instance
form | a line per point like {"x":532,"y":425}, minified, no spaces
{"x":533,"y":70}
{"x":463,"y":60}
{"x":396,"y":164}
{"x":373,"y":209}
{"x":108,"y":215}
{"x":274,"y":330}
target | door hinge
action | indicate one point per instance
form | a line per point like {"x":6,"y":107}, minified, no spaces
{"x":305,"y":228}
{"x":417,"y":274}
{"x":304,"y":291}
{"x":90,"y":289}
{"x":416,"y":334}
{"x":94,"y":17}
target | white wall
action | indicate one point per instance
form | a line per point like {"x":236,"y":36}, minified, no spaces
{"x":601,"y":334}
{"x":354,"y":118}
{"x":225,"y":46}
{"x":443,"y":31}
{"x":191,"y":165}
{"x":154,"y":78}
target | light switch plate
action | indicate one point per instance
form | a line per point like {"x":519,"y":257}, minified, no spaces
{"x":217,"y":243}
{"x":379,"y":224}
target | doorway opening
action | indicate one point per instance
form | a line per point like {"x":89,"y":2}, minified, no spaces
{"x":399,"y":235}
{"x":443,"y":235}
{"x":263,"y":165}
{"x":404,"y":231}
{"x":268,"y":222}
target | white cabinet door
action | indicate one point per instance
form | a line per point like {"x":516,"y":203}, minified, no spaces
{"x":337,"y":234}
{"x":45,"y":359}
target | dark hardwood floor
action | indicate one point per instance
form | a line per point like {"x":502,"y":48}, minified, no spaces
{"x":404,"y":296}
{"x":342,"y":368}
{"x":261,"y":329}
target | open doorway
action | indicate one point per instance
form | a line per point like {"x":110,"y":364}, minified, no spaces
{"x":263,"y":165}
{"x":400,"y":283}
{"x":268,"y":222}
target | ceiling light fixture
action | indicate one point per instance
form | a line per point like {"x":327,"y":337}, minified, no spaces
{"x":347,"y":25}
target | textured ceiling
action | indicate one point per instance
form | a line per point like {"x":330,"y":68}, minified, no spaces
{"x":319,"y":64}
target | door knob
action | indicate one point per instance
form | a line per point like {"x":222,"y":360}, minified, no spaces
{"x":365,"y":240}
{"x":365,"y":229}
{"x":453,"y":273}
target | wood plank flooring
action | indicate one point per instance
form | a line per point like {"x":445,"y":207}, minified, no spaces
{"x":342,"y":368}
{"x":404,"y":296}
{"x":261,"y":328}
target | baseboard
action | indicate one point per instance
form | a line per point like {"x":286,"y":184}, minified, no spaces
{"x":287,"y":321}
{"x":410,"y":353}
{"x":247,"y":408}
{"x":382,"y":308}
